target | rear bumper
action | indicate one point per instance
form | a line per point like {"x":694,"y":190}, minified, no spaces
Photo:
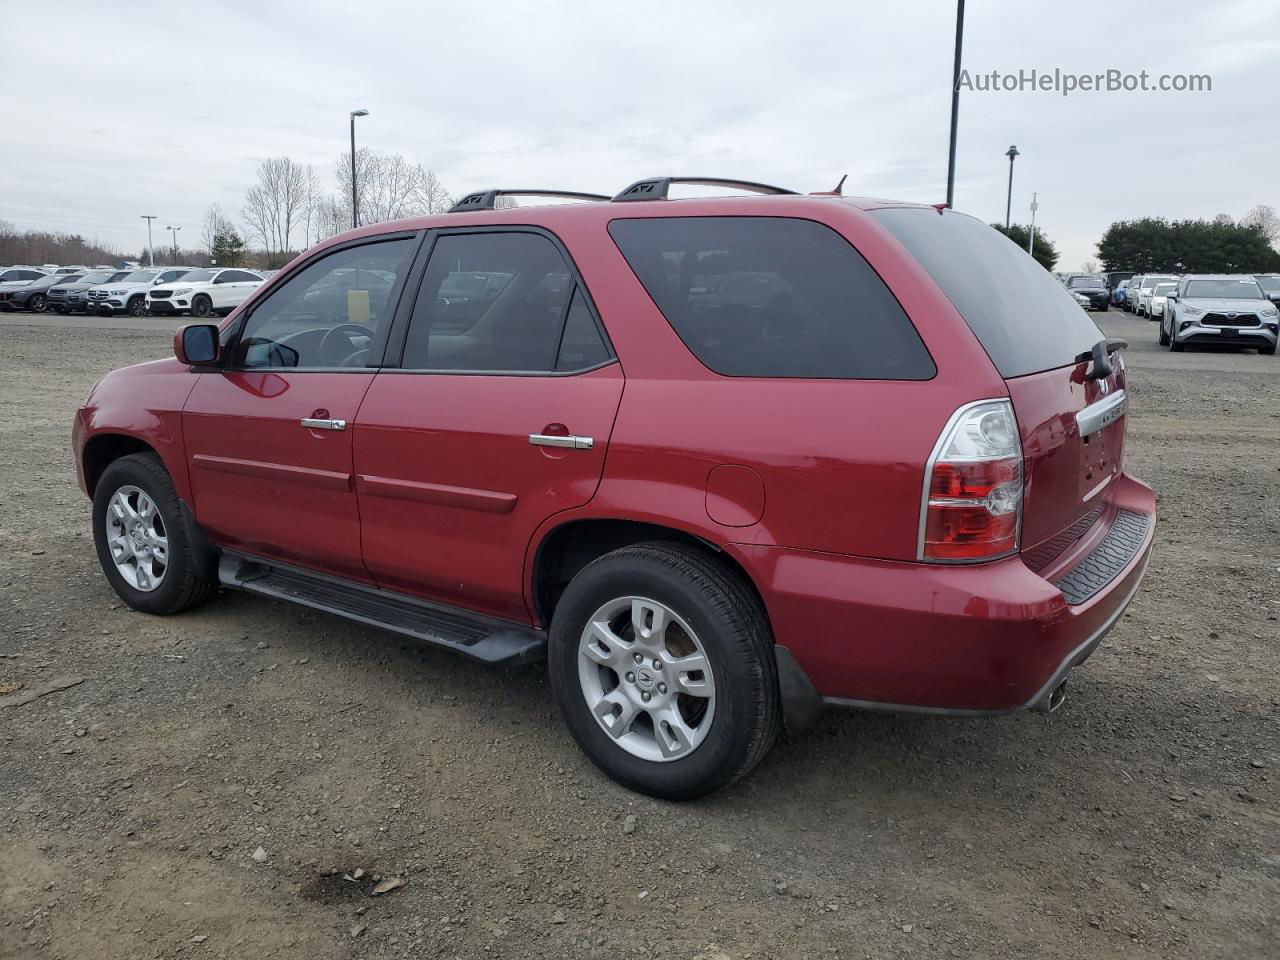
{"x":987,"y":638}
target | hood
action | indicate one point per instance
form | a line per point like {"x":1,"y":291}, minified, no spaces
{"x":1223,"y":305}
{"x":69,"y":287}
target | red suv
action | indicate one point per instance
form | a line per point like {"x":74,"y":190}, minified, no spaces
{"x":720,"y":461}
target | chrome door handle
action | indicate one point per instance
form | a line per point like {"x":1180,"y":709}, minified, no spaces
{"x":311,"y":423}
{"x":573,"y":443}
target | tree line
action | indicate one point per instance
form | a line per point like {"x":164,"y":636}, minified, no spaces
{"x":1220,"y":245}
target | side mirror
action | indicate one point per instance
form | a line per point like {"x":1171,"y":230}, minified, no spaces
{"x":1172,"y":298}
{"x":196,"y":344}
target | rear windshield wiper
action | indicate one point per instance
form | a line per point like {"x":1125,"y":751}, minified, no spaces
{"x":1101,"y":357}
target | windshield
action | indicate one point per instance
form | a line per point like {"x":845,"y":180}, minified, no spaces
{"x":1225,"y":289}
{"x":1163,"y":288}
{"x":1149,"y":282}
{"x":1024,"y":318}
{"x":139,"y":276}
{"x":199,"y":276}
{"x":1269,"y":284}
{"x":90,"y":278}
{"x":1087,"y":282}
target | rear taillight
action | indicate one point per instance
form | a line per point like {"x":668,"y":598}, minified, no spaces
{"x":972,"y":503}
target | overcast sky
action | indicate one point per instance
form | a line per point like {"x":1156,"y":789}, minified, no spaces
{"x":113,"y":111}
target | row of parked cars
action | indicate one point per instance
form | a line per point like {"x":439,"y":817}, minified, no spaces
{"x":200,"y":292}
{"x":1241,"y":309}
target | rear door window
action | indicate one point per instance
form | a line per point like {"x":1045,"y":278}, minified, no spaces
{"x":1025,"y":319}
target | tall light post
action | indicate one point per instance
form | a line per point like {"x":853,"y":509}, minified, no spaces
{"x":173,"y":231}
{"x":1031,"y":242}
{"x":1012,"y":154}
{"x":355,"y":206}
{"x":151,"y":253}
{"x":955,"y":103}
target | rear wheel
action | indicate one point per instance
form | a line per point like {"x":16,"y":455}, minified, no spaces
{"x":37,"y":303}
{"x":662,"y":663}
{"x":153,"y":554}
{"x":137,"y":306}
{"x":201,"y":306}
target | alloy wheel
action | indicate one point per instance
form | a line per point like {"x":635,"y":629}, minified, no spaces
{"x":646,"y":679}
{"x":137,"y":538}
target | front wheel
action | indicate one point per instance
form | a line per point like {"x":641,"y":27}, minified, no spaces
{"x":201,"y":306}
{"x":1164,"y":336}
{"x":137,"y":307}
{"x":662,"y":662}
{"x":153,"y":554}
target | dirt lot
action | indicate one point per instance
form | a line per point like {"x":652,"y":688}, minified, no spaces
{"x":1141,"y":820}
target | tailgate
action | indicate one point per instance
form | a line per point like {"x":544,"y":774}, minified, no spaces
{"x":1072,"y":432}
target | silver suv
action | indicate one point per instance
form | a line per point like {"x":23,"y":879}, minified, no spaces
{"x":1220,"y":309}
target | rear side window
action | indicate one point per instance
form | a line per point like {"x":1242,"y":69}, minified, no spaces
{"x":772,"y":297}
{"x":1024,"y":318}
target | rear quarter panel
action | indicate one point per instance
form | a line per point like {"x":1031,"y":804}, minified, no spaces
{"x":842,"y":461}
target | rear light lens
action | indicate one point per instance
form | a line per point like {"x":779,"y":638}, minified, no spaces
{"x":972,"y":505}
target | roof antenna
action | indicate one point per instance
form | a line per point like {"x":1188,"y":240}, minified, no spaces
{"x":837,"y":191}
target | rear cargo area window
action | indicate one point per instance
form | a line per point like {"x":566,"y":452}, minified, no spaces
{"x":772,"y":297}
{"x":1024,"y":318}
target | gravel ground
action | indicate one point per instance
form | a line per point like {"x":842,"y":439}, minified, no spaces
{"x":203,"y":790}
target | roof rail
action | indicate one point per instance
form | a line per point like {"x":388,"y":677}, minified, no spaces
{"x":486,"y":199}
{"x":655,"y":188}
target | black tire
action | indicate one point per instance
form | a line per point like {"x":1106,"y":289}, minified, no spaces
{"x":1164,"y":337}
{"x":1268,"y":351}
{"x":137,"y":306}
{"x":60,"y":309}
{"x":189,"y":578}
{"x":201,"y":306}
{"x":37,"y":303}
{"x":1105,"y":307}
{"x":733,"y":629}
{"x":1175,"y":346}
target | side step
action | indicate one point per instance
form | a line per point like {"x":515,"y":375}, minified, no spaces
{"x":471,"y":634}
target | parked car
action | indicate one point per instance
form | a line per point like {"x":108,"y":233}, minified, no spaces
{"x":1131,"y":293}
{"x":1092,"y":290}
{"x":1270,"y":284}
{"x":1159,"y":293}
{"x":1222,"y":310}
{"x":1114,"y":278}
{"x":1142,"y":299}
{"x":876,"y":486}
{"x":1119,"y":294}
{"x":71,"y":296}
{"x":129,"y":293}
{"x":32,"y":294}
{"x":203,"y":293}
{"x":20,"y":275}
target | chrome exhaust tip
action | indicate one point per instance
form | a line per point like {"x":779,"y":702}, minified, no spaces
{"x":1056,"y":698}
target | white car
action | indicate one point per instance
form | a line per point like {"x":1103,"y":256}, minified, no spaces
{"x":1159,"y":295}
{"x":129,"y":294}
{"x":205,"y":292}
{"x":1143,"y":303}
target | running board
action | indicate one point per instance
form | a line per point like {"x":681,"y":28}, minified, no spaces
{"x":471,"y":634}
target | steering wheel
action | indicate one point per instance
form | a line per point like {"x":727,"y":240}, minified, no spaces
{"x":339,"y":338}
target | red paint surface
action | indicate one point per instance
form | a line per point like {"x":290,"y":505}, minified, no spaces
{"x":434,"y":488}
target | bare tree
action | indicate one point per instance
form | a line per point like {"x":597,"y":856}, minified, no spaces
{"x":1265,"y":218}
{"x":215,"y":222}
{"x":311,"y":187}
{"x":1089,"y":266}
{"x":273,"y":205}
{"x":389,"y":187}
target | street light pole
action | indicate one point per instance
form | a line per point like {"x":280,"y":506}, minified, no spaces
{"x":1031,"y":242}
{"x":174,"y":232}
{"x":1011,"y":153}
{"x":955,"y":103}
{"x":151,"y":252}
{"x":355,"y":207}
